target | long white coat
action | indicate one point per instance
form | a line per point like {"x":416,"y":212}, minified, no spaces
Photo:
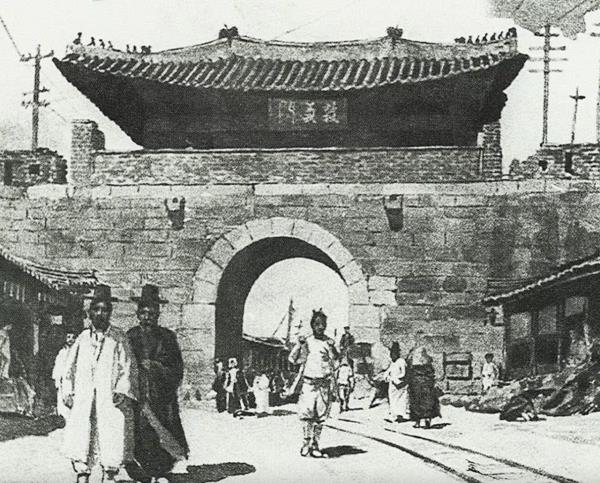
{"x":99,"y":374}
{"x":58,"y":374}
{"x":261,"y":393}
{"x":398,"y":398}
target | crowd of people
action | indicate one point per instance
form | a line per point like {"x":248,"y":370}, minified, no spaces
{"x":411,"y":390}
{"x":117,"y":391}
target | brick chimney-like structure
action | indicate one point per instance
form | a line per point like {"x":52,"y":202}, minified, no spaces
{"x":491,"y":167}
{"x":85,"y":141}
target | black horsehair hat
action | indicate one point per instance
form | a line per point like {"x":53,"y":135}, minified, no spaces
{"x":101,"y":293}
{"x":149,"y":296}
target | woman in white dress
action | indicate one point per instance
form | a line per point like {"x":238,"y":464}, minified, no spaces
{"x":260,"y":387}
{"x":397,"y":386}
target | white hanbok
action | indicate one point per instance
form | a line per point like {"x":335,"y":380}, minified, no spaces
{"x":99,"y":366}
{"x":260,"y":387}
{"x":398,"y":389}
{"x":58,"y":375}
{"x":489,"y":375}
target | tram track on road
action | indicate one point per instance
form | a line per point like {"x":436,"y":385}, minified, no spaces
{"x":466,"y":464}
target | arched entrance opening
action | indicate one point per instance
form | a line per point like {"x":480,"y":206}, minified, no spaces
{"x":233,"y":264}
{"x":241,"y":274}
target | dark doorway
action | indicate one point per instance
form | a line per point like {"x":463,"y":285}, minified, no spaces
{"x":240,"y":275}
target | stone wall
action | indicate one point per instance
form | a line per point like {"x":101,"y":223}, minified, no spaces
{"x":28,"y":168}
{"x":552,"y":161}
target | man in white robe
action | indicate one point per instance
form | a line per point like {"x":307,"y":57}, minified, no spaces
{"x":59,"y":371}
{"x":398,"y":386}
{"x":99,"y":385}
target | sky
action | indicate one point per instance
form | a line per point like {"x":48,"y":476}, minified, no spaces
{"x":312,"y":287}
{"x":173,"y":23}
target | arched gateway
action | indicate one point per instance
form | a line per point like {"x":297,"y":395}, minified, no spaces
{"x":236,"y":260}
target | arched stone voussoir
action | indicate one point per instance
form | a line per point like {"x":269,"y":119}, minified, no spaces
{"x":209,"y":271}
{"x":352,"y":272}
{"x":282,"y":226}
{"x":261,"y":228}
{"x":221,"y":252}
{"x":305,"y":230}
{"x":239,"y":238}
{"x":339,"y":254}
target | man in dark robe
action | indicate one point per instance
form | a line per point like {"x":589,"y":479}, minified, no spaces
{"x":219,"y":386}
{"x":159,"y":437}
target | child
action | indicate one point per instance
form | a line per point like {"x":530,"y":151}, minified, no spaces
{"x":345,"y":384}
{"x":236,"y":387}
{"x":489,"y":373}
{"x":260,"y":387}
{"x":318,"y":354}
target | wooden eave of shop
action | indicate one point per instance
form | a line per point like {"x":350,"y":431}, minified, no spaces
{"x":542,"y":288}
{"x":57,"y":280}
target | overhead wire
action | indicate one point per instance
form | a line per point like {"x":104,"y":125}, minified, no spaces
{"x":314,"y":20}
{"x":12,"y":40}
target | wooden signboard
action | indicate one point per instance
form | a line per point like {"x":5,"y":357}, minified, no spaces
{"x":307,"y":114}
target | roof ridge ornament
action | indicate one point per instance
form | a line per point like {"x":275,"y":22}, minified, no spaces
{"x":229,"y":33}
{"x":394,"y":33}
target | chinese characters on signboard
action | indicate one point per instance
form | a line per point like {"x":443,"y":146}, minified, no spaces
{"x":307,"y":114}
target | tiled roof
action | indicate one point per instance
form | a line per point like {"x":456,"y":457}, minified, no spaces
{"x":56,"y":278}
{"x":568,"y":273}
{"x":244,"y":64}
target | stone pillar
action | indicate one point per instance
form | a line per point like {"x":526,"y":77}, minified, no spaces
{"x":491,"y":166}
{"x":86,"y":139}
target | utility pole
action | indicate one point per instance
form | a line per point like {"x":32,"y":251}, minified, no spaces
{"x":547,"y":48}
{"x":577,"y":97}
{"x":597,"y":34}
{"x":35,"y":102}
{"x":291,"y":311}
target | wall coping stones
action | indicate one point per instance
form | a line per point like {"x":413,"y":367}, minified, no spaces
{"x":488,"y":188}
{"x":143,"y":152}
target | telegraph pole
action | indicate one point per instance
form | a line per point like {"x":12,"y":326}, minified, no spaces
{"x":35,"y":102}
{"x":291,"y":311}
{"x":577,"y":97}
{"x":596,"y":34}
{"x":547,"y":48}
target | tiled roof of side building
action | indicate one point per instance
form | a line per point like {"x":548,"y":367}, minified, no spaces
{"x":571,"y":272}
{"x":245,"y":64}
{"x":56,"y":278}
